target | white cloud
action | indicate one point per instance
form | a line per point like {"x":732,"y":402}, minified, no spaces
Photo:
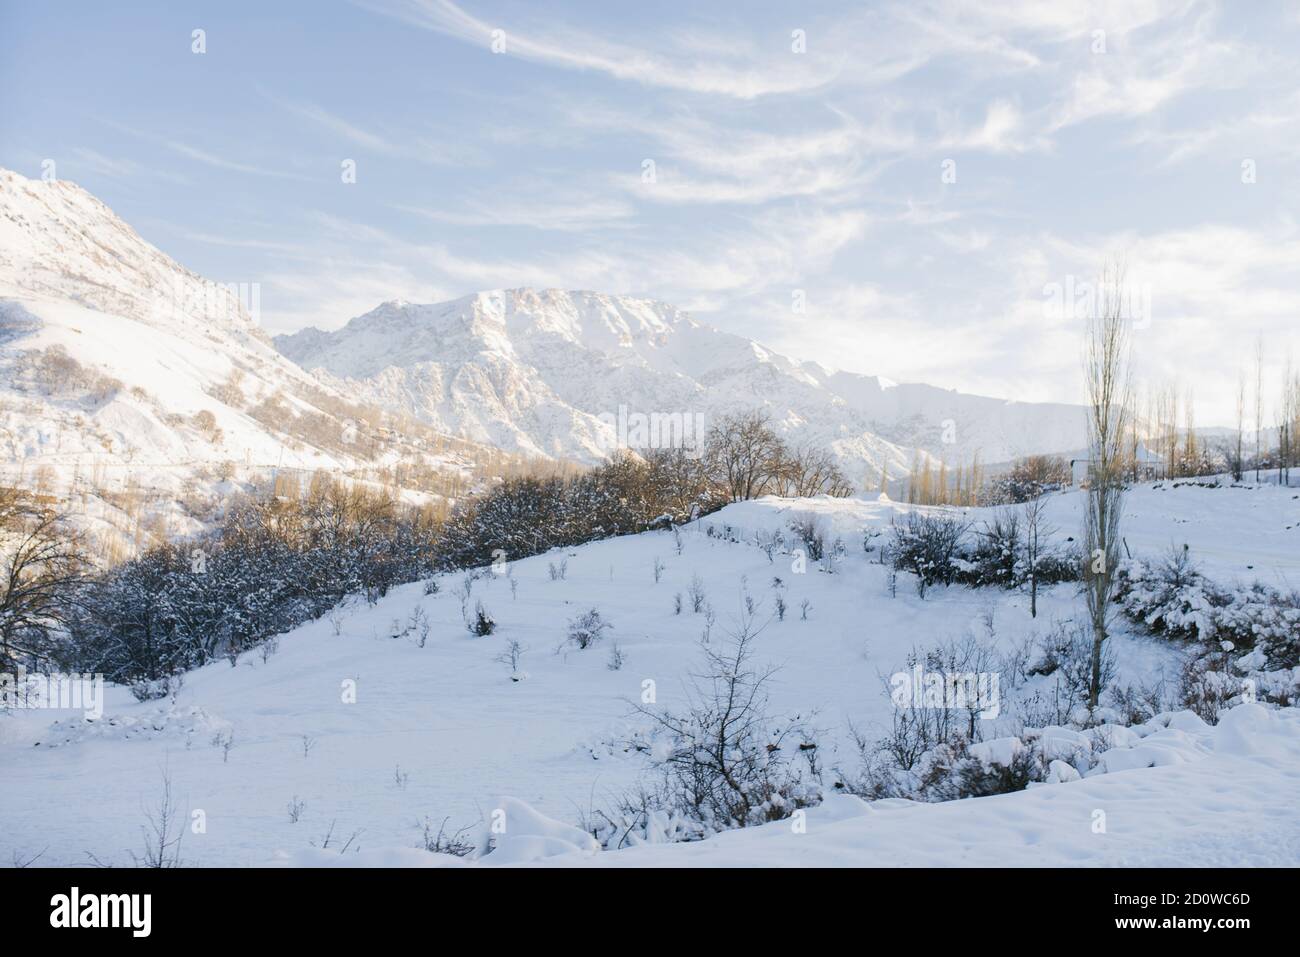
{"x":1141,"y":72}
{"x":120,"y":167}
{"x":205,"y":157}
{"x":336,"y":124}
{"x":579,"y":50}
{"x":1003,"y":131}
{"x":560,"y":213}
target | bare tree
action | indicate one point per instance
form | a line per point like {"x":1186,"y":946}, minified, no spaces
{"x":745,"y":454}
{"x":808,"y":470}
{"x":41,"y":566}
{"x":1259,"y":401}
{"x":678,"y":477}
{"x":1036,"y":531}
{"x":1288,"y":422}
{"x":1166,"y":413}
{"x":1107,"y":376}
{"x":1236,"y":462}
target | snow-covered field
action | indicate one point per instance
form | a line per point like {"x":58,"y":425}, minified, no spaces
{"x":1216,"y":797}
{"x":443,"y":732}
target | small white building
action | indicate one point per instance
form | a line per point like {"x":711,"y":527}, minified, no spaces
{"x":1151,"y":466}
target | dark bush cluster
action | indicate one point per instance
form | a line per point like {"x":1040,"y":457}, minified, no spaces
{"x":279,"y":560}
{"x":942,"y":548}
{"x":275,"y":563}
{"x":528,"y":516}
{"x":928,"y":546}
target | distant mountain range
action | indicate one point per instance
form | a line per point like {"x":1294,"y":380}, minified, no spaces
{"x":552,"y":373}
{"x":140,"y":389}
{"x":116,"y":359}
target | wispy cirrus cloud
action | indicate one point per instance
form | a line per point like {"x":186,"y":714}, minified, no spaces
{"x":693,"y":159}
{"x":1139,"y":73}
{"x":576,"y":214}
{"x":1271,"y":130}
{"x":1004,"y":129}
{"x":738,"y":77}
{"x":337,"y":125}
{"x":117,"y":167}
{"x":203,"y":156}
{"x":420,"y":147}
{"x":1079,"y":128}
{"x":208,"y":158}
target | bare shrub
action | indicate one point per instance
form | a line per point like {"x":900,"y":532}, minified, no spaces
{"x":418,"y":626}
{"x":925,"y":545}
{"x":512,"y":656}
{"x":587,"y":629}
{"x":810,"y":530}
{"x":206,"y":423}
{"x":696,"y":594}
{"x":483,"y":624}
{"x":728,"y":762}
{"x":162,"y":832}
{"x":230,"y":392}
{"x":442,"y":842}
{"x":225,"y":740}
{"x":1206,"y":687}
{"x":778,"y":597}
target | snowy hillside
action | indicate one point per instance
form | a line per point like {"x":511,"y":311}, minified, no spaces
{"x":1155,"y":815}
{"x":1160,"y":817}
{"x":367,"y":724}
{"x":547,"y":372}
{"x":124,"y":373}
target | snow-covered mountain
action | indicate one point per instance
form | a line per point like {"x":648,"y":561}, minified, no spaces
{"x":122,"y":371}
{"x":554,"y":373}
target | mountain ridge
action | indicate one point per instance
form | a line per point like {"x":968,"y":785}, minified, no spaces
{"x":540,"y":371}
{"x":140,"y":390}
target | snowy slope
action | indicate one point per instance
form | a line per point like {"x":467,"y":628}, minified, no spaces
{"x":538,"y":370}
{"x":1225,"y":796}
{"x":121,"y":369}
{"x":1222,"y":796}
{"x":441,"y":731}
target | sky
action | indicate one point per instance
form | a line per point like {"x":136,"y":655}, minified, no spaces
{"x":926,"y":191}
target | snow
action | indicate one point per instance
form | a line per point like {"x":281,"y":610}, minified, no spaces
{"x":449,"y":731}
{"x":535,"y":371}
{"x":1059,"y":772}
{"x":526,"y":836}
{"x":450,"y":719}
{"x":1221,"y":806}
{"x":74,"y":277}
{"x":1235,"y":533}
{"x":998,"y":751}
